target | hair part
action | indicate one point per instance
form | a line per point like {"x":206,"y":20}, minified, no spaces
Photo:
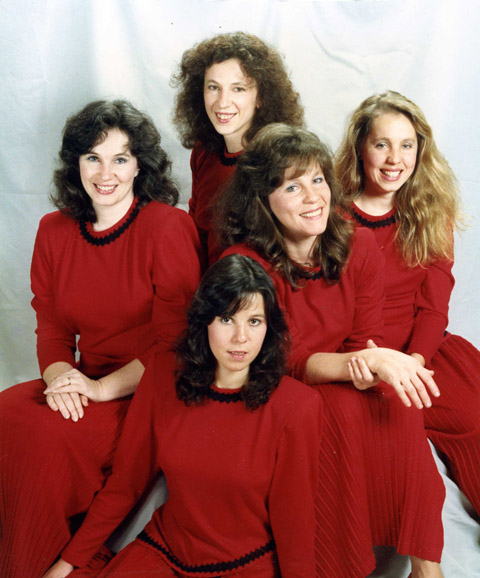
{"x":227,"y":287}
{"x":244,"y":214}
{"x":428,"y":204}
{"x":88,"y":128}
{"x":278,"y":101}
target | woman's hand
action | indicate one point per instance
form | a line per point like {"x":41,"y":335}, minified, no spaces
{"x":70,"y":405}
{"x":70,"y":391}
{"x":59,"y":570}
{"x":403,"y":372}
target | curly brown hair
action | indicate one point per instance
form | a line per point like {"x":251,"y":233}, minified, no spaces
{"x":89,"y":127}
{"x":244,"y":214}
{"x":428,"y":204}
{"x":278,"y":100}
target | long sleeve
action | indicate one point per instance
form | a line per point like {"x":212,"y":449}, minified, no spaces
{"x":293,"y":488}
{"x":175,"y":276}
{"x":431,"y":305}
{"x":134,"y":466}
{"x":55,"y":339}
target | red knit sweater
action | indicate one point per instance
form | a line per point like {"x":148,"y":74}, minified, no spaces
{"x":237,"y":479}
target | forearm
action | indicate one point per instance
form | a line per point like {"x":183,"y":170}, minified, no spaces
{"x":54,"y":370}
{"x":122,"y":382}
{"x":327,"y":367}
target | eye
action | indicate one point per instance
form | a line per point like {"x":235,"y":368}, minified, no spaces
{"x":381,"y":145}
{"x":255,"y":322}
{"x":408,"y":145}
{"x":318,"y":180}
{"x":121,"y":160}
{"x":91,"y":158}
{"x":292,"y":188}
{"x":239,"y":89}
{"x":212,"y":87}
{"x":225,"y":320}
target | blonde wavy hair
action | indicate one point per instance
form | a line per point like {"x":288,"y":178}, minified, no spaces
{"x":428,"y":204}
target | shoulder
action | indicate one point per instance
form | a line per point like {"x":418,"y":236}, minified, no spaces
{"x":364,"y":245}
{"x":292,"y":397}
{"x":165,"y":216}
{"x":55,"y":223}
{"x":200,"y":155}
{"x":245,"y":250}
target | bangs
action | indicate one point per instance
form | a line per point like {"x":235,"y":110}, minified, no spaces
{"x":239,"y":303}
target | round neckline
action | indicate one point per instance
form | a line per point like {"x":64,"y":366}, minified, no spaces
{"x":229,"y":159}
{"x":373,"y":221}
{"x":100,"y":238}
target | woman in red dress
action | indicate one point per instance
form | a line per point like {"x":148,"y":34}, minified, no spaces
{"x":237,"y":441}
{"x":379,"y":484}
{"x":229,"y":86}
{"x":401,"y":187}
{"x":113,"y":272}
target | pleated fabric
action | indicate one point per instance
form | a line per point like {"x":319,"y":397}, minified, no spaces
{"x":50,"y":470}
{"x":453,"y":423}
{"x":139,"y":560}
{"x":378,"y":482}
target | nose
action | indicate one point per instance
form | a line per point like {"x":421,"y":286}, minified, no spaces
{"x":311,"y":194}
{"x":224,"y":99}
{"x":240,"y":334}
{"x":394,"y":155}
{"x":105,"y":171}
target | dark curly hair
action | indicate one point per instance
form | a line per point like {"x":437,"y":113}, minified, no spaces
{"x":244,"y":214}
{"x":224,"y":289}
{"x":278,"y":100}
{"x":88,"y":128}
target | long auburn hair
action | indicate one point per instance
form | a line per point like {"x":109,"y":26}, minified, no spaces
{"x":227,"y":287}
{"x":244,"y":214}
{"x":428,"y":205}
{"x":278,"y":101}
{"x":89,"y":127}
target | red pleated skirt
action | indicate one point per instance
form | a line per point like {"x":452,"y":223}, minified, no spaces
{"x":453,"y":423}
{"x":50,"y":470}
{"x":379,"y":484}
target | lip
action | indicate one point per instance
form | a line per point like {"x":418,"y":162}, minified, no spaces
{"x":391,"y":175}
{"x":224,"y":117}
{"x":105,"y":189}
{"x":237,"y":355}
{"x":312,"y":215}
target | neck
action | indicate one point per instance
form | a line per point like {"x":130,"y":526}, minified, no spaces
{"x":233,"y":144}
{"x":375,"y":205}
{"x":109,"y":216}
{"x":300,"y":251}
{"x":230,"y":379}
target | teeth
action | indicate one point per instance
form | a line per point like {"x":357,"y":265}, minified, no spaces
{"x":106,"y":188}
{"x":391,"y":174}
{"x":224,"y":116}
{"x":316,"y":213}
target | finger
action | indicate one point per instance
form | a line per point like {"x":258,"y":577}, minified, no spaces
{"x":422,"y":392}
{"x":78,"y":404}
{"x":84,"y":400}
{"x":61,"y":406}
{"x":364,"y":370}
{"x":51,"y":403}
{"x":397,"y":386}
{"x":371,"y":344}
{"x":69,"y":404}
{"x":426,"y":376}
{"x":412,"y":393}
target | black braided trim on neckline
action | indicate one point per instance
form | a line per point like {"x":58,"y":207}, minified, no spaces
{"x":223,"y":397}
{"x":214,"y":566}
{"x":308,"y":275}
{"x":227,"y":161}
{"x":101,"y":241}
{"x":372,"y":224}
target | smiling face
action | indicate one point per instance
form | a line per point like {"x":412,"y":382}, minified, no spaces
{"x":389,"y":155}
{"x":302,"y":206}
{"x":231,"y":99}
{"x":236,"y":341}
{"x":107,"y":173}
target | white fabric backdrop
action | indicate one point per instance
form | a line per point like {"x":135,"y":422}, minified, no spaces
{"x":56,"y":55}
